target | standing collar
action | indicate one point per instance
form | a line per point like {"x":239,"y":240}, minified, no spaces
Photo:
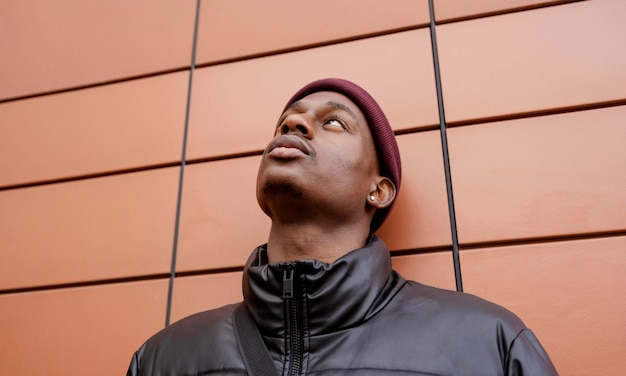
{"x":336,"y":296}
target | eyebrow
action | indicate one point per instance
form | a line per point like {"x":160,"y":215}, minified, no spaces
{"x":342,"y":107}
{"x":331,"y":104}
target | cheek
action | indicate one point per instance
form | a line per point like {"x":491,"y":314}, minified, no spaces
{"x":352,"y":167}
{"x":366,"y":159}
{"x":346,"y":161}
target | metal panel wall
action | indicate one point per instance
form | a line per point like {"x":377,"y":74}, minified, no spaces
{"x":105,"y":122}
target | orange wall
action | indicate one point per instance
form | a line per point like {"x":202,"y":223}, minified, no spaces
{"x":93,"y":113}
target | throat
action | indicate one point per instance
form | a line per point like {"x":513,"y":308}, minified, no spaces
{"x":292,"y":242}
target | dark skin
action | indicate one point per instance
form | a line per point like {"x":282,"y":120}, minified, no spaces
{"x":316,"y":178}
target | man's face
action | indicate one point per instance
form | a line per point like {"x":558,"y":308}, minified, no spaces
{"x":322,"y":152}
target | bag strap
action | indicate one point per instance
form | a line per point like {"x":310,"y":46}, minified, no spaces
{"x":253,"y":351}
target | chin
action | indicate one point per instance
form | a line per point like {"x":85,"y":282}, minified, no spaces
{"x":284,"y":189}
{"x":278,"y":197}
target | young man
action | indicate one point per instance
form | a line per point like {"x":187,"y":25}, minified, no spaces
{"x":321,"y":291}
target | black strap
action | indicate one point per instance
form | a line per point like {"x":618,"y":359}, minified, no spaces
{"x":253,"y":351}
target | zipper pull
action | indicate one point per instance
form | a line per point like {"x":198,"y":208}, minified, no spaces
{"x":288,"y":284}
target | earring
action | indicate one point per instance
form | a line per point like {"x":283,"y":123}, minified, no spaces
{"x":372,"y":198}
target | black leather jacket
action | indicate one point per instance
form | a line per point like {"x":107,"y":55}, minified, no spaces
{"x":353,"y":317}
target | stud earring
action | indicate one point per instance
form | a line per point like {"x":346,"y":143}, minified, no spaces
{"x":372,"y":198}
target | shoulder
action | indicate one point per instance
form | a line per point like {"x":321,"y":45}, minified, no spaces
{"x":451,"y":331}
{"x":203,"y":342}
{"x":198,"y":329}
{"x":457,"y":306}
{"x":477,"y":335}
{"x":443,"y":315}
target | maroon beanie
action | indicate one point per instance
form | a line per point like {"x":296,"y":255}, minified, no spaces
{"x":384,"y":138}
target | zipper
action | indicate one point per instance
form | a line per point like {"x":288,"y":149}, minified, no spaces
{"x":293,"y":301}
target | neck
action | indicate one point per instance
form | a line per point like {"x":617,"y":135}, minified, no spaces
{"x":298,"y":241}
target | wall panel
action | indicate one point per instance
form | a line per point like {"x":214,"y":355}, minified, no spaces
{"x":80,"y":331}
{"x":108,"y":128}
{"x":420,"y":217}
{"x":110,"y":227}
{"x":221,"y":222}
{"x":235,"y":106}
{"x":53,"y":45}
{"x":569,"y":293}
{"x":446,"y":10}
{"x":537,"y":177}
{"x":534,"y":60}
{"x":433,"y":269}
{"x":230,"y":29}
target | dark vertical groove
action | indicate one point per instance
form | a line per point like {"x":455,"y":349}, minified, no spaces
{"x":183,"y":158}
{"x":444,"y":146}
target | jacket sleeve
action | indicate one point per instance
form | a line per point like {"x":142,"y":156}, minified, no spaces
{"x":528,"y":358}
{"x":134,"y":369}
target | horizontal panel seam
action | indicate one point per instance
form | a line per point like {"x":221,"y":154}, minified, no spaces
{"x":189,"y":161}
{"x":310,"y":46}
{"x":544,"y":239}
{"x":539,"y":113}
{"x":89,"y":176}
{"x":236,"y":59}
{"x":99,"y":282}
{"x":501,"y":12}
{"x":113,"y":281}
{"x":394,"y":253}
{"x":95,"y":84}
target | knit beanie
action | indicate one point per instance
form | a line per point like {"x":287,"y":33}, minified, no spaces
{"x":384,"y":138}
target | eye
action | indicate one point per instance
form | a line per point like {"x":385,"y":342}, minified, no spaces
{"x":335,"y":123}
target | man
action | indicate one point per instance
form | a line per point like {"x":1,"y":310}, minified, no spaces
{"x":321,"y":291}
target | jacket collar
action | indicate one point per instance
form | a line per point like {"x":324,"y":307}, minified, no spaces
{"x":334,"y":296}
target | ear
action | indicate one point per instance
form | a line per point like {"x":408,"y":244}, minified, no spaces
{"x":382,"y":192}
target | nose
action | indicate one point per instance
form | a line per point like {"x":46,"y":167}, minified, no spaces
{"x":296,"y":124}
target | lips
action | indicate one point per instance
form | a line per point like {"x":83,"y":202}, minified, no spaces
{"x":280,"y":146}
